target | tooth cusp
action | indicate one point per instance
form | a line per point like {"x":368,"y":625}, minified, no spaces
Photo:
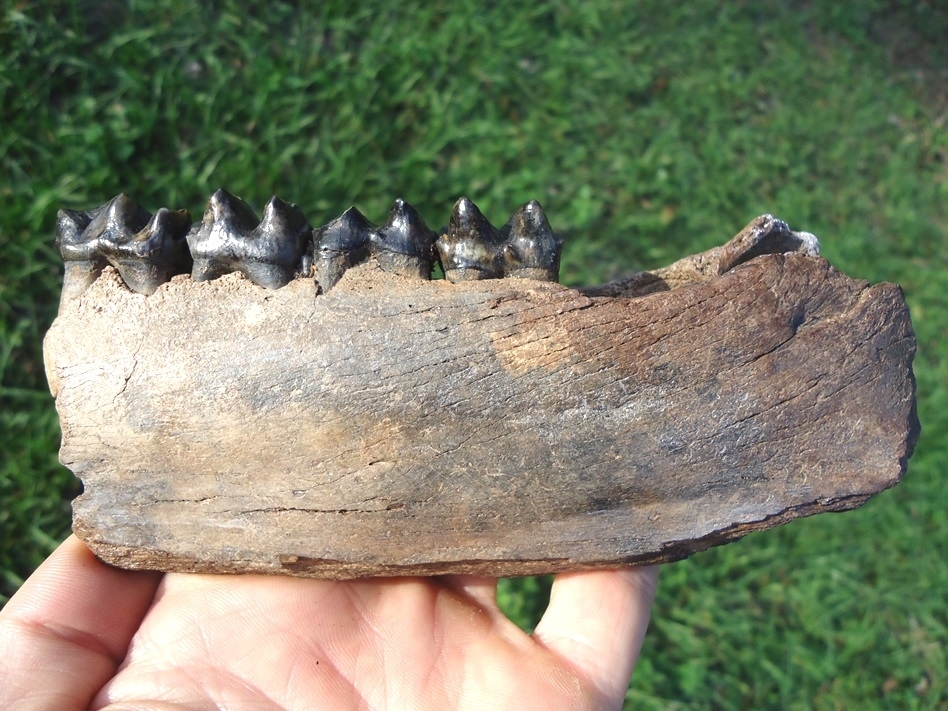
{"x":404,"y":244}
{"x":339,"y":245}
{"x":270,"y":252}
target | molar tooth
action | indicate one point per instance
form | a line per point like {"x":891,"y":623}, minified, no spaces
{"x":152,"y":255}
{"x":469,"y":248}
{"x":339,"y":245}
{"x":270,"y":252}
{"x":531,"y":249}
{"x":146,"y":250}
{"x":404,"y":244}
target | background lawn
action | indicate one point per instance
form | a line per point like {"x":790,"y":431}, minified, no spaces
{"x":648,"y":130}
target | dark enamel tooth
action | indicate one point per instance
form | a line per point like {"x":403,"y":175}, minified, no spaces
{"x":766,"y":235}
{"x":283,"y":235}
{"x":404,"y":244}
{"x":531,"y":249}
{"x":269,"y":252}
{"x":339,"y":245}
{"x":80,"y":252}
{"x":469,"y":248}
{"x":154,"y":254}
{"x":146,"y":250}
{"x":217,"y":243}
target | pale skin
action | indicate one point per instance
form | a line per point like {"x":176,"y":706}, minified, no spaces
{"x":80,"y":634}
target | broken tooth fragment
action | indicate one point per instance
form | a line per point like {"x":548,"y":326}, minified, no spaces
{"x":470,"y":246}
{"x":269,"y":252}
{"x":339,"y":245}
{"x":147,"y":250}
{"x":531,"y":249}
{"x":765,"y":235}
{"x":404,"y":244}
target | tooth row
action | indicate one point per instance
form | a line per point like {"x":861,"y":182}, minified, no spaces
{"x":148,"y":250}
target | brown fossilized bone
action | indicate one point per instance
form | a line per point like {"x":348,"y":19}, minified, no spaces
{"x":245,"y":416}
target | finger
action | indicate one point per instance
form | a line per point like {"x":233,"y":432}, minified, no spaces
{"x":596,"y":621}
{"x":66,"y":630}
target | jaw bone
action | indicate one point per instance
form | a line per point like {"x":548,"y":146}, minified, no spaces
{"x":501,"y":426}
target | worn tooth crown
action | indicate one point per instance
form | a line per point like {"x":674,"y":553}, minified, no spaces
{"x":470,"y":247}
{"x":339,"y":245}
{"x":531,"y":249}
{"x":404,"y":244}
{"x":269,"y":252}
{"x":147,"y":250}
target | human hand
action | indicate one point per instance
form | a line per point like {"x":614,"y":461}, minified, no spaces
{"x":81,"y":634}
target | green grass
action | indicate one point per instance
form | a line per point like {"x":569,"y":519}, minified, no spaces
{"x":648,"y":130}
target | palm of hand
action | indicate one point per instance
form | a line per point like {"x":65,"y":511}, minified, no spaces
{"x":197,"y":641}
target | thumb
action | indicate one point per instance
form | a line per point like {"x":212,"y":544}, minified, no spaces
{"x":596,"y":621}
{"x":67,"y":629}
